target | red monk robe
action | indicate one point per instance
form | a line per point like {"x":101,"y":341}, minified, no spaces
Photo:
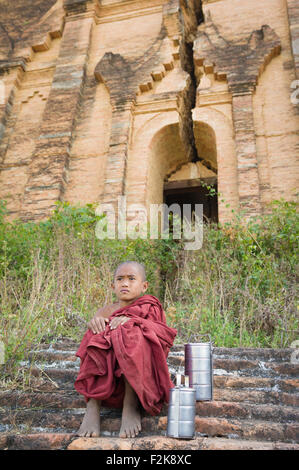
{"x":138,"y":349}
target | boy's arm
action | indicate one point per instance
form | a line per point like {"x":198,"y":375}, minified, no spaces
{"x":98,"y":323}
{"x":115,"y":322}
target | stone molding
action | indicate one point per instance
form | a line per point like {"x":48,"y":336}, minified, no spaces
{"x":239,"y":64}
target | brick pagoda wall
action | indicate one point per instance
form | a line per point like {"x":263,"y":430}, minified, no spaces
{"x":101,"y":98}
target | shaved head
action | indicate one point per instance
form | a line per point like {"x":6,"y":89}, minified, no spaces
{"x":137,"y":265}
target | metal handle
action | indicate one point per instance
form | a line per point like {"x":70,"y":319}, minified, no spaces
{"x":196,"y":335}
{"x":178,"y":380}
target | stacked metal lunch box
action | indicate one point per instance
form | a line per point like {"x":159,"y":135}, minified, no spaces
{"x":198,"y":387}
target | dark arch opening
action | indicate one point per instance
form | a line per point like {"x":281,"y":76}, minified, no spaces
{"x":193,"y":191}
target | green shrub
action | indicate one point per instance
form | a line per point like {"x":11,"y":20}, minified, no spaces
{"x":244,"y":278}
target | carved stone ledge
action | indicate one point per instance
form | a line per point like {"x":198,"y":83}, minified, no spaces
{"x":241,"y":64}
{"x":6,"y":65}
{"x":75,"y":7}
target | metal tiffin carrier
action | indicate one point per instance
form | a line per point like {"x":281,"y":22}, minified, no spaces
{"x":199,"y":367}
{"x":181,"y":410}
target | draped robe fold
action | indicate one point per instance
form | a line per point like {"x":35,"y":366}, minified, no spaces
{"x":138,"y":349}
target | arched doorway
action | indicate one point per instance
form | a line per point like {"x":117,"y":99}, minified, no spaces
{"x":196,"y":183}
{"x":158,"y":166}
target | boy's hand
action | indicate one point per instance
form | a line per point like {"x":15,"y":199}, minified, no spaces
{"x":115,"y":322}
{"x":97,"y":324}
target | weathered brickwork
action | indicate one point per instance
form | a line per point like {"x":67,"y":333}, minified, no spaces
{"x":254,"y":405}
{"x":293,"y":16}
{"x":101,"y":98}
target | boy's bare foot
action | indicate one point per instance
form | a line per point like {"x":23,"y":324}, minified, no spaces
{"x":90,"y":426}
{"x":131,"y":419}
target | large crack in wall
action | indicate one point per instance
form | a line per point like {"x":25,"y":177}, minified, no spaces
{"x":190,"y":17}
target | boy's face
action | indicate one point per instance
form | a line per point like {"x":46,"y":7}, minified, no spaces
{"x":128,"y":283}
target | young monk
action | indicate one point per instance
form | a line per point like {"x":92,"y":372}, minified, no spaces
{"x":123,"y":355}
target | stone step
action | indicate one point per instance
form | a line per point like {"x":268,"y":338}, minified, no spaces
{"x":63,"y":344}
{"x":68,"y":421}
{"x":256,"y":396}
{"x":261,"y":383}
{"x":53,"y":357}
{"x":242,"y":429}
{"x":55,"y":441}
{"x":221,"y":367}
{"x":56,"y":379}
{"x":216,"y":419}
{"x":166,"y":443}
{"x":254,"y":402}
{"x":261,"y":354}
{"x":18,"y":401}
{"x":65,"y":378}
{"x":241,"y":367}
{"x":59,"y":400}
{"x":38,"y":441}
{"x":222,"y":409}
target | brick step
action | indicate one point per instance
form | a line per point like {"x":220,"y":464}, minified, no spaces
{"x":271,"y":409}
{"x":59,"y":400}
{"x":53,"y":357}
{"x":249,"y":429}
{"x":156,"y":443}
{"x":63,"y":399}
{"x":55,"y":441}
{"x":261,"y":383}
{"x":64,"y":379}
{"x":256,"y":396}
{"x":38,"y":441}
{"x":260,"y":354}
{"x":242,"y":367}
{"x":242,"y":429}
{"x":221,"y":421}
{"x":222,"y":409}
{"x":68,"y":421}
{"x":63,"y":344}
{"x":221,"y":366}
